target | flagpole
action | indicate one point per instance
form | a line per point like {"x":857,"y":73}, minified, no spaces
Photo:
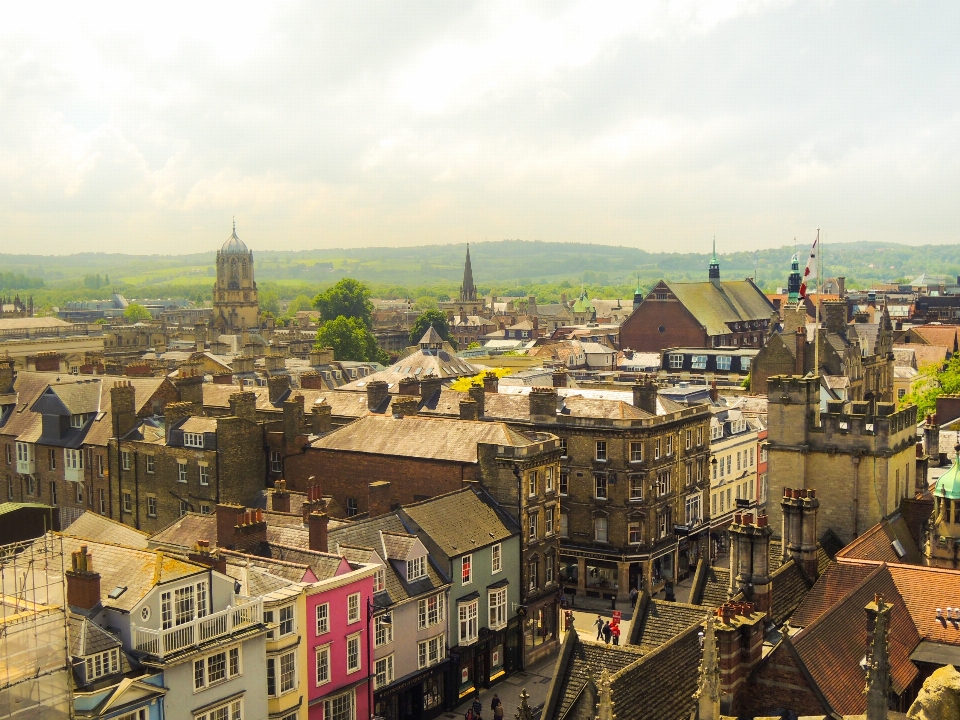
{"x":816,"y":327}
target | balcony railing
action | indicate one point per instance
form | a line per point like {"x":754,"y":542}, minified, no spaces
{"x":161,"y":643}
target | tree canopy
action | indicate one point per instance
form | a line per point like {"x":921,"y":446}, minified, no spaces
{"x":430,"y":318}
{"x":136,"y":312}
{"x":349,"y":298}
{"x":932,"y":382}
{"x":350,"y":340}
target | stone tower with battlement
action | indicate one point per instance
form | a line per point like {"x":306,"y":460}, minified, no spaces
{"x":858,"y":455}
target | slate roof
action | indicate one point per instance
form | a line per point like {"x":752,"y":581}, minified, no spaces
{"x":586,"y":661}
{"x":715,"y":587}
{"x":662,"y":621}
{"x":420,"y":437}
{"x":90,"y":526}
{"x":508,"y":406}
{"x":458,"y":522}
{"x":789,"y":586}
{"x":323,"y":565}
{"x":186,"y":530}
{"x":713,"y":307}
{"x":199,"y":425}
{"x":87,"y":638}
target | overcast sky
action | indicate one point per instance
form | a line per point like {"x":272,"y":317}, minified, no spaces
{"x":329,"y":124}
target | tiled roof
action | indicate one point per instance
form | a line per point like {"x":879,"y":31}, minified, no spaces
{"x":789,"y":589}
{"x":323,"y":565}
{"x":943,"y":335}
{"x":660,"y":686}
{"x":509,"y":406}
{"x":420,"y":437}
{"x":586,"y":661}
{"x":458,"y":522}
{"x":199,"y":425}
{"x":834,"y":585}
{"x":877,"y":543}
{"x":186,"y":530}
{"x":137,"y":570}
{"x":90,"y":526}
{"x":834,"y":644}
{"x":289,"y":535}
{"x":397,"y":546}
{"x":924,"y":589}
{"x":715,"y":587}
{"x":663,"y":620}
{"x":714,"y":307}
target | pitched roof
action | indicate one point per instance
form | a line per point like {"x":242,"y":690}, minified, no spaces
{"x":584,"y":664}
{"x":186,"y":530}
{"x":834,"y":585}
{"x":458,"y":522}
{"x":715,"y":587}
{"x":421,"y":437}
{"x":714,"y":307}
{"x":789,"y":586}
{"x":90,"y":526}
{"x":87,"y":638}
{"x":877,"y":543}
{"x":662,"y":621}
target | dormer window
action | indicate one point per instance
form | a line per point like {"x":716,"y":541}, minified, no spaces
{"x":416,"y":568}
{"x":193,"y":440}
{"x":102,"y":664}
{"x":78,"y":421}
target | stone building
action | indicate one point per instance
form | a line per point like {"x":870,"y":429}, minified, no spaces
{"x":699,"y":315}
{"x":860,"y":455}
{"x":235,"y":303}
{"x":187,"y":463}
{"x":468,"y":302}
{"x":941,"y":544}
{"x":630,"y":474}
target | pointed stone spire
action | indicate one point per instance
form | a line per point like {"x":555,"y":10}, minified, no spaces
{"x":877,"y":688}
{"x":605,"y":703}
{"x":708,"y":686}
{"x":468,"y":292}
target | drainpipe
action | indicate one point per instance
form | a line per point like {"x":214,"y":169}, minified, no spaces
{"x":856,"y":495}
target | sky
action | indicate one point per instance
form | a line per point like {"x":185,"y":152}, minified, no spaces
{"x":146,"y":128}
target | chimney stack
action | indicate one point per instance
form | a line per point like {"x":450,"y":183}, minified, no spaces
{"x":714,"y":393}
{"x":190,"y":385}
{"x":123,"y":405}
{"x":321,"y":418}
{"x":476,"y":392}
{"x":800,"y":529}
{"x":244,"y":405}
{"x":799,"y":367}
{"x":6,"y":376}
{"x":280,"y":499}
{"x":204,"y":554}
{"x":317,"y":523}
{"x":83,"y":584}
{"x":378,"y":498}
{"x":931,"y":438}
{"x":750,"y":560}
{"x":377,"y":392}
{"x":277,"y":387}
{"x":491,"y":383}
{"x":293,"y":421}
{"x":409,"y":386}
{"x":429,"y":386}
{"x":543,"y":404}
{"x":469,"y":409}
{"x":645,"y":396}
{"x":405,"y":406}
{"x":560,"y":378}
{"x":739,"y":635}
{"x":313,"y":502}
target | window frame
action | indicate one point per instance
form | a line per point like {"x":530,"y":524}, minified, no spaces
{"x":322,"y":619}
{"x":466,"y":570}
{"x":496,"y":558}
{"x":353,"y":640}
{"x":600,"y":451}
{"x":600,"y":486}
{"x":353,"y":608}
{"x":598,"y":523}
{"x":468,"y":625}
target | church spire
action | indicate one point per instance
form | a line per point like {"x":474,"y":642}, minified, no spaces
{"x":467,"y":291}
{"x":714,"y":272}
{"x":708,"y":686}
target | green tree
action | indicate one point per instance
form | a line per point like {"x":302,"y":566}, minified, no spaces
{"x":426,"y":302}
{"x":348,"y":298}
{"x":137,"y":313}
{"x":270,"y":302}
{"x":932,"y":382}
{"x":433,"y":318}
{"x":350,"y":340}
{"x":300,"y":302}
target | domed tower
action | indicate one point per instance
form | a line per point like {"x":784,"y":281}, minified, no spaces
{"x":235,"y":303}
{"x":942,"y":545}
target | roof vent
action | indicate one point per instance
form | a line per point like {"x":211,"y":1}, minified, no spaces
{"x":898,"y":548}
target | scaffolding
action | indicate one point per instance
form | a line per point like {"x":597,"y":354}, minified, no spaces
{"x":35,"y":673}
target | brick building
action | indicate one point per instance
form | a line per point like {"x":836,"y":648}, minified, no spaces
{"x":378,"y":463}
{"x":699,"y":315}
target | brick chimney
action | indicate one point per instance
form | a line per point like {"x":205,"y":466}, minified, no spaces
{"x":250,"y":531}
{"x":801,"y":350}
{"x":228,"y":517}
{"x":739,"y":635}
{"x":223,"y":378}
{"x":800,"y":529}
{"x":313,"y":502}
{"x":244,"y":405}
{"x":841,"y":286}
{"x":405,"y":406}
{"x":6,"y":376}
{"x":469,"y":409}
{"x":311,"y":380}
{"x":204,"y":554}
{"x":379,"y":499}
{"x":476,"y":392}
{"x":835,"y":316}
{"x":191,"y":388}
{"x":559,"y":378}
{"x":292,"y":418}
{"x":123,"y":405}
{"x":317,"y":523}
{"x":321,"y":418}
{"x":543,"y":404}
{"x":277,"y":387}
{"x":83,"y":584}
{"x":377,"y":391}
{"x":274,"y":362}
{"x":280,"y":499}
{"x":645,"y":396}
{"x":491,"y":383}
{"x":321,"y":356}
{"x":750,"y":560}
{"x":714,"y":393}
{"x":429,"y":386}
{"x":409,"y":386}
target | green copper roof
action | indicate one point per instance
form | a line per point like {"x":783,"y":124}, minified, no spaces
{"x":948,"y":486}
{"x":582,"y":303}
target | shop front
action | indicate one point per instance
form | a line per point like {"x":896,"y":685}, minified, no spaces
{"x":540,"y":628}
{"x":420,"y":696}
{"x":482,"y":664}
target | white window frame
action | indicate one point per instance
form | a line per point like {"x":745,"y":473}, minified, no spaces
{"x":698,"y":362}
{"x":204,"y":473}
{"x":354,"y":641}
{"x":353,"y":608}
{"x":548,"y":522}
{"x":430,"y":611}
{"x":181,"y":471}
{"x":383,"y":668}
{"x":548,"y":480}
{"x":151,"y":464}
{"x":72,"y":459}
{"x":723,"y":362}
{"x":431,"y":651}
{"x":234,"y":711}
{"x":276,"y":461}
{"x":636,"y":451}
{"x":497,"y":605}
{"x":468,"y":621}
{"x":349,"y":712}
{"x":675,"y":361}
{"x":322,"y":626}
{"x":290,"y":620}
{"x":564,"y":525}
{"x":194,"y":440}
{"x":466,"y":570}
{"x":125,"y":459}
{"x":636,"y":489}
{"x":496,"y":558}
{"x":379,"y":580}
{"x":601,"y":451}
{"x":416,"y":568}
{"x":101,"y":664}
{"x":601,"y":530}
{"x":322,"y":675}
{"x":383,"y":630}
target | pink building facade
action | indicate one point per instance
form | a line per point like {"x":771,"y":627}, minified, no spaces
{"x":339,"y":647}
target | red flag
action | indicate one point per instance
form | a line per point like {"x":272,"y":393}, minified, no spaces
{"x":810,"y":273}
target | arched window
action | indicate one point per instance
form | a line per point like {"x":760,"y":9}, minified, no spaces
{"x":243,"y":271}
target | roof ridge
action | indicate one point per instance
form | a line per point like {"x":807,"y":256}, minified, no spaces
{"x":838,"y":605}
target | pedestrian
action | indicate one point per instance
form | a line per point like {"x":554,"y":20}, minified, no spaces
{"x":615,"y":632}
{"x":477,"y":706}
{"x":468,"y":715}
{"x":607,"y":633}
{"x":599,"y":624}
{"x":633,"y":597}
{"x":496,"y":706}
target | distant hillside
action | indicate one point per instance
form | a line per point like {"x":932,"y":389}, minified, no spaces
{"x":508,"y":267}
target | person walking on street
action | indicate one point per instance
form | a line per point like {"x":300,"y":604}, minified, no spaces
{"x":615,"y":632}
{"x":606,"y":633}
{"x":599,"y":624}
{"x":496,"y":706}
{"x":477,"y":706}
{"x":633,"y":597}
